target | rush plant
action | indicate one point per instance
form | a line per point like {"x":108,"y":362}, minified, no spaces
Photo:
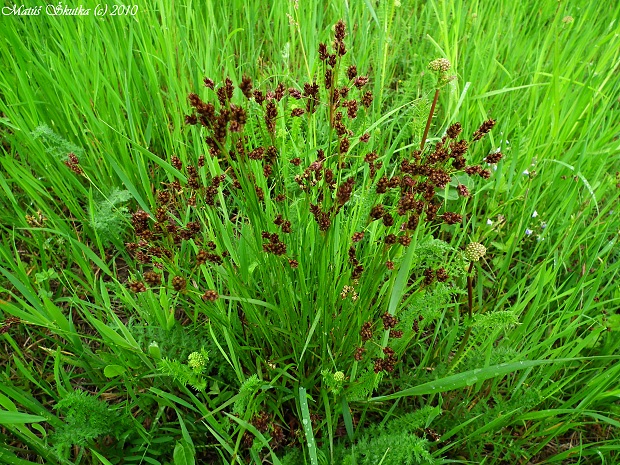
{"x":311,"y":249}
{"x":309,"y":261}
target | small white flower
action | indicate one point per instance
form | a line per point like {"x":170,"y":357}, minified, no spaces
{"x":528,"y":232}
{"x":535,"y":214}
{"x":543,"y":225}
{"x":489,"y":222}
{"x":526,"y":173}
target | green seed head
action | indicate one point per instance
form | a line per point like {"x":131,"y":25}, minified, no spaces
{"x":440,"y":65}
{"x":475,"y":251}
{"x":196,"y":361}
{"x":339,"y":377}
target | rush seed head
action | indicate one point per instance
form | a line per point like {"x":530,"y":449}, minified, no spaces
{"x":210,"y":296}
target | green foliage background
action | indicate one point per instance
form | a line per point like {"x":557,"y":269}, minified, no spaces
{"x":113,"y":90}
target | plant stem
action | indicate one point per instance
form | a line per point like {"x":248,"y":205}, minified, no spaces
{"x":459,"y":352}
{"x":428,"y":121}
{"x":470,"y":303}
{"x":470,"y":289}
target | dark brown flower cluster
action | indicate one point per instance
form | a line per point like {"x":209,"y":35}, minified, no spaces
{"x":152,"y":278}
{"x":389,"y":321}
{"x":357,"y":271}
{"x":285,"y":225}
{"x":452,"y":218}
{"x":140,"y":221}
{"x":441,"y":274}
{"x":421,"y":175}
{"x":7,"y":323}
{"x":179,"y":283}
{"x":246,"y":87}
{"x":357,"y":237}
{"x":204,"y":256}
{"x":231,"y":118}
{"x":387,"y":363}
{"x":344,"y":191}
{"x":366,"y":331}
{"x":463,"y":190}
{"x":430,"y":275}
{"x":494,"y":158}
{"x":210,"y":296}
{"x":322,"y":218}
{"x":160,"y":236}
{"x":137,"y":286}
{"x":271,"y":113}
{"x":338,"y":97}
{"x":454,"y":130}
{"x":274,"y":246}
{"x":483,"y":129}
{"x":73,"y":163}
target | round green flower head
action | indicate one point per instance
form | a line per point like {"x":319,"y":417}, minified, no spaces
{"x":440,"y":65}
{"x":339,"y":377}
{"x":196,"y":361}
{"x":475,"y":251}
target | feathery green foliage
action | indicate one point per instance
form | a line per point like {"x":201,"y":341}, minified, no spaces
{"x":85,"y":418}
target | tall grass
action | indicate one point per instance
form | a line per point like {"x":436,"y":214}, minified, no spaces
{"x":114,"y":91}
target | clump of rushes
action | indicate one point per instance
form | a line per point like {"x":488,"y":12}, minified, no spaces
{"x":294,"y":216}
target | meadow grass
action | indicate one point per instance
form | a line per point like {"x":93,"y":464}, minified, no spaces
{"x":536,"y":381}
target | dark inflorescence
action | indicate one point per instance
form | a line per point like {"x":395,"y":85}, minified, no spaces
{"x":242,"y":125}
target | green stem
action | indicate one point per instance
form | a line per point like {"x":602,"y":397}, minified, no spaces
{"x":470,"y":289}
{"x":460,"y":350}
{"x":470,"y":300}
